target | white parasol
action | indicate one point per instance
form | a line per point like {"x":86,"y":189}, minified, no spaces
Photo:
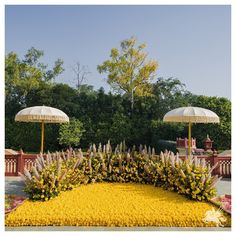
{"x":41,"y":114}
{"x":191,"y":115}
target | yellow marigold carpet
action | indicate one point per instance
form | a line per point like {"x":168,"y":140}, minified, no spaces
{"x":114,"y":204}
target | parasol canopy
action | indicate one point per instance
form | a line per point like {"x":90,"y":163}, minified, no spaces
{"x":41,"y":114}
{"x":191,"y":115}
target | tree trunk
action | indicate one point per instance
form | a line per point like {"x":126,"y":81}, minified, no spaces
{"x":132,"y":100}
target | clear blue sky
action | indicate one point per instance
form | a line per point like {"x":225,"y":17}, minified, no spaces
{"x":191,"y":43}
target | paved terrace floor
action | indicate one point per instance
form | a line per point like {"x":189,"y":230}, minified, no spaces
{"x":90,"y":228}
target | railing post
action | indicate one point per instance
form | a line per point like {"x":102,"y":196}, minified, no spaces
{"x":20,"y":163}
{"x":215,"y":160}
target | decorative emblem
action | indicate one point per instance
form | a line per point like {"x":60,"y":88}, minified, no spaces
{"x":215,"y":216}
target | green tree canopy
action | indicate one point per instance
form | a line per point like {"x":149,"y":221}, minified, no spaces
{"x":104,"y":115}
{"x":27,"y":74}
{"x":170,"y":93}
{"x":129,"y":70}
{"x":71,"y":133}
{"x":220,"y":133}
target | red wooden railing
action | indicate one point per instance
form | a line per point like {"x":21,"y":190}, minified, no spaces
{"x":15,"y":164}
{"x":183,"y":143}
{"x":224,"y":164}
{"x":12,"y":165}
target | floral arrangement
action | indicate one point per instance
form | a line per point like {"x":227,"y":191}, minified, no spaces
{"x":190,"y":177}
{"x":223,"y":201}
{"x":115,"y":204}
{"x":49,"y":177}
{"x":63,"y":171}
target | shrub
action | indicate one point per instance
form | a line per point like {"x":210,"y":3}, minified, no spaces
{"x":58,"y":172}
{"x":190,"y":177}
{"x":71,"y":133}
{"x":63,"y":171}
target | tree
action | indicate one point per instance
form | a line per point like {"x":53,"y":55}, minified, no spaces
{"x":120,"y":128}
{"x":220,"y":133}
{"x":71,"y":133}
{"x":64,"y":98}
{"x":32,"y":59}
{"x":129,"y":70}
{"x":28,"y":82}
{"x":170,"y":93}
{"x":103,"y":115}
{"x":81,"y":73}
{"x":22,"y":76}
{"x":86,"y":89}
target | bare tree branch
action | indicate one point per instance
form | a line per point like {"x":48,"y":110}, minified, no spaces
{"x":81,"y":73}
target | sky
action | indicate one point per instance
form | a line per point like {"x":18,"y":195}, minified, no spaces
{"x":191,"y":43}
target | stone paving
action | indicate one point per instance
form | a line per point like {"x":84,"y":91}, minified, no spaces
{"x":14,"y":185}
{"x":74,"y":228}
{"x":224,"y":186}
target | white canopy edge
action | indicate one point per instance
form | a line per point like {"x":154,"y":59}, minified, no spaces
{"x":41,"y":114}
{"x":192,"y":119}
{"x":41,"y":118}
{"x":191,"y":114}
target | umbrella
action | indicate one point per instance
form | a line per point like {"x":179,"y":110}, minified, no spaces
{"x":191,"y":115}
{"x":41,"y":114}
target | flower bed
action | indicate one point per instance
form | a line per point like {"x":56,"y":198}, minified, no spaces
{"x":114,"y":204}
{"x":12,"y":202}
{"x":224,"y":202}
{"x":61,"y":171}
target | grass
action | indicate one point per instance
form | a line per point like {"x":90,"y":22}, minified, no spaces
{"x":114,"y":204}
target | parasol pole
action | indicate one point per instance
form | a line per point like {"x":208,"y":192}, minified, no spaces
{"x":42,"y":136}
{"x":189,"y":138}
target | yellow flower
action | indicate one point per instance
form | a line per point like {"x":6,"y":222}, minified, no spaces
{"x":114,"y":204}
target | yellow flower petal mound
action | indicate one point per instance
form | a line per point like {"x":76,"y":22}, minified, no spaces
{"x":114,"y":204}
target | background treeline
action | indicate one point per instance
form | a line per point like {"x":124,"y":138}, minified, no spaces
{"x":28,"y":82}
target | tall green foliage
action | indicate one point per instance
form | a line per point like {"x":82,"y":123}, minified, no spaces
{"x":27,"y":74}
{"x":170,"y":93}
{"x":71,"y":133}
{"x":104,"y":115}
{"x":121,"y":127}
{"x":220,"y":133}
